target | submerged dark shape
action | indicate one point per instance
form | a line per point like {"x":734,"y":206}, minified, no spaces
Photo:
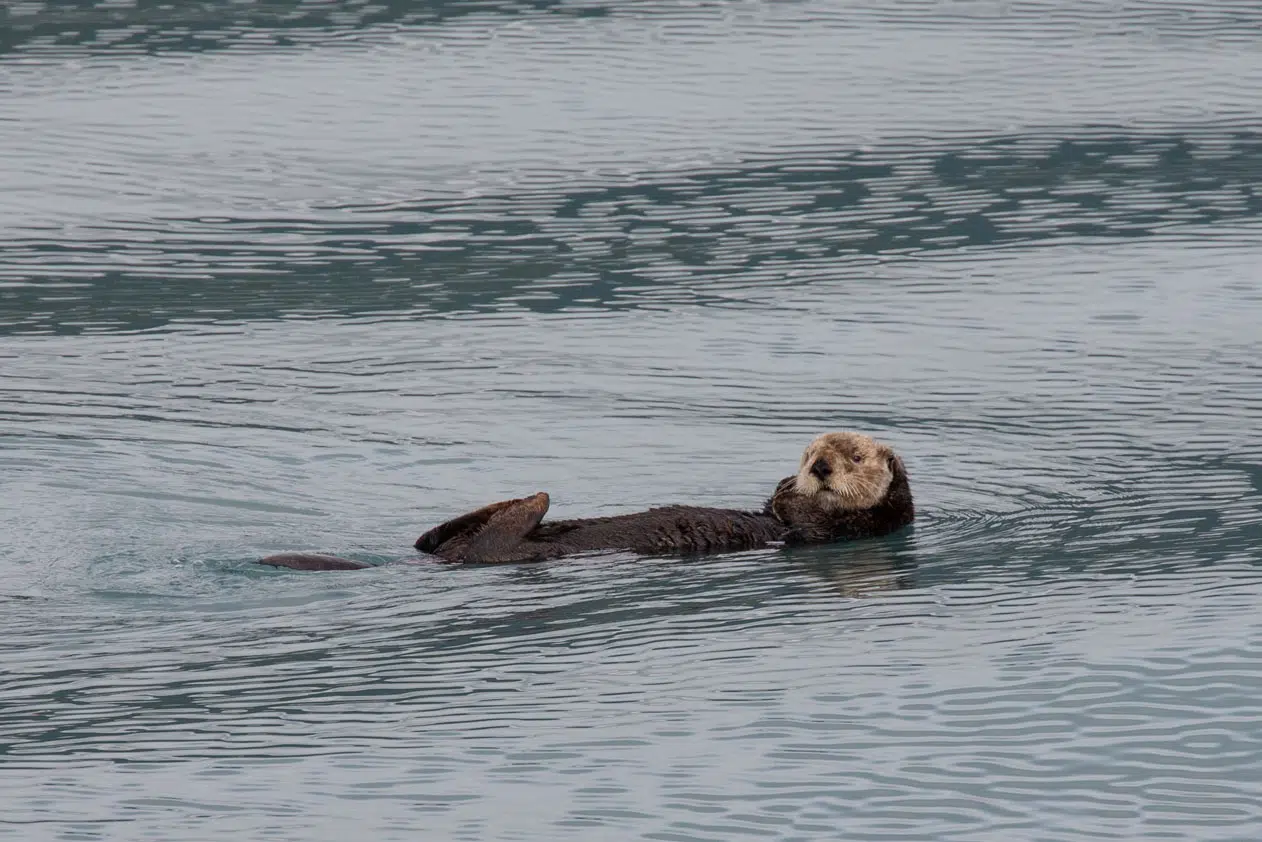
{"x":848,"y":487}
{"x":313,"y":561}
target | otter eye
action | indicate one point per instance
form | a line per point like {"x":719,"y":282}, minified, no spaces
{"x":856,"y":458}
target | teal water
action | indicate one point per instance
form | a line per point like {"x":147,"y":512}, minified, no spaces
{"x":318,"y":275}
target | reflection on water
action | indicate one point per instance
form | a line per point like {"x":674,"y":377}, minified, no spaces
{"x":299,"y":275}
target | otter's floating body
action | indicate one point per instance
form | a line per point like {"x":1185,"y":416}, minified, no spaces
{"x":848,"y":487}
{"x":512,"y":531}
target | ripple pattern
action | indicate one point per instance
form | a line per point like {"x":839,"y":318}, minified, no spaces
{"x":449,"y":717}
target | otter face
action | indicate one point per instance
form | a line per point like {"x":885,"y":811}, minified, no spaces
{"x":845,"y":471}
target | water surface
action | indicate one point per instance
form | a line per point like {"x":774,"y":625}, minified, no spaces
{"x":316,"y":276}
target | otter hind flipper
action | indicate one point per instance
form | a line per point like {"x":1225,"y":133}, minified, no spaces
{"x":458,"y":527}
{"x":500,"y":541}
{"x":312,"y":561}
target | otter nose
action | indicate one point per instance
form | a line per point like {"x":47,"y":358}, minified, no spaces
{"x":822,"y":469}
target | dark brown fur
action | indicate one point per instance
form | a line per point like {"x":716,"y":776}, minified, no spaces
{"x":514,"y":533}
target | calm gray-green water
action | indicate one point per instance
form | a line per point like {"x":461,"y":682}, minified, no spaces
{"x":318,"y":275}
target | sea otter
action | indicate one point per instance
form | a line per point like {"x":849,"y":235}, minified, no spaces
{"x":848,"y":486}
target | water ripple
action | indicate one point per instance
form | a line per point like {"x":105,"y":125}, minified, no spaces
{"x":1054,"y":726}
{"x":697,"y":240}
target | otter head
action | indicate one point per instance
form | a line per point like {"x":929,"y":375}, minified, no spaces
{"x":846,"y":471}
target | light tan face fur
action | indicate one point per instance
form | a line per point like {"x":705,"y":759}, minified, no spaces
{"x":845,"y":471}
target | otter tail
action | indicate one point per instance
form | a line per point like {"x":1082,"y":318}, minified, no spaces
{"x":312,"y":561}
